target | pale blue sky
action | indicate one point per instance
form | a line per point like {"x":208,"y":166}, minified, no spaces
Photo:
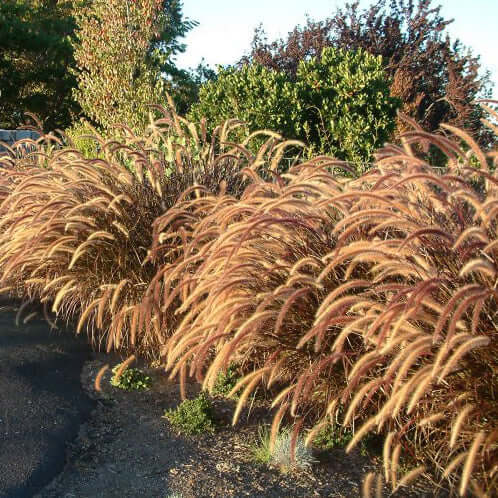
{"x":226,"y":27}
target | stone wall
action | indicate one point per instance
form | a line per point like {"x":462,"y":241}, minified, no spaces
{"x":12,"y":136}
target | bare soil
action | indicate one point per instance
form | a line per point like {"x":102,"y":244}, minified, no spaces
{"x":127,"y":449}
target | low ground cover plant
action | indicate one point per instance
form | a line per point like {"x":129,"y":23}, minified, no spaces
{"x":226,"y":381}
{"x":260,"y":449}
{"x":331,"y":437}
{"x":131,"y":379}
{"x":192,"y":416}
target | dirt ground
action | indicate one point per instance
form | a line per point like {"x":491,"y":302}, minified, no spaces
{"x":126,"y":449}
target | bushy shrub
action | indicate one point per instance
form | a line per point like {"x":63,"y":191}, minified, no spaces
{"x":192,"y":416}
{"x":81,"y":136}
{"x":346,"y":109}
{"x":261,"y":98}
{"x":339,"y":103}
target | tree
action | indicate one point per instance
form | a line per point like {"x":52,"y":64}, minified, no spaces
{"x":35,"y":54}
{"x":337,"y":103}
{"x":437,"y":80}
{"x":186,"y":84}
{"x":347,"y":111}
{"x":125,"y":54}
{"x":258,"y":96}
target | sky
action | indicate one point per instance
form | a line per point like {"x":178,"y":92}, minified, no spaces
{"x":226,"y":27}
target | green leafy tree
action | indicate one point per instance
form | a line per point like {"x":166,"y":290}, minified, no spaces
{"x":437,"y":79}
{"x":346,"y":108}
{"x":37,"y":64}
{"x":35,"y":55}
{"x":338,"y":103}
{"x":186,"y":85}
{"x":125,"y":58}
{"x":258,"y":96}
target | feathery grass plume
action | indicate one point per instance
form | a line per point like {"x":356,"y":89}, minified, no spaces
{"x":99,"y":239}
{"x":98,"y":378}
{"x":258,"y":288}
{"x":123,"y":366}
{"x":470,"y":462}
{"x":362,"y":291}
{"x":454,"y":463}
{"x":410,"y":476}
{"x":368,"y":481}
{"x":448,"y":223}
{"x":367,"y":485}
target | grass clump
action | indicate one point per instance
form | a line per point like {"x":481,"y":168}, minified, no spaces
{"x":132,"y":379}
{"x":260,"y":451}
{"x":281,"y":455}
{"x":375,"y":298}
{"x":192,"y":416}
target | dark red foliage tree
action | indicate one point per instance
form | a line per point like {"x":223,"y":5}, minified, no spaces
{"x":438,"y":80}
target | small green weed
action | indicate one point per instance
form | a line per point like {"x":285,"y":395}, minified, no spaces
{"x":331,"y":437}
{"x":192,"y":416}
{"x":281,"y":455}
{"x":226,"y":381}
{"x":132,"y":379}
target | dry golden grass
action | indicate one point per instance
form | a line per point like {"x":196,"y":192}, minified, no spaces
{"x":100,"y":240}
{"x":369,"y":300}
{"x":373,"y":297}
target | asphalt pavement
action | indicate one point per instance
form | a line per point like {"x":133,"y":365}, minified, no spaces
{"x":42,"y":403}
